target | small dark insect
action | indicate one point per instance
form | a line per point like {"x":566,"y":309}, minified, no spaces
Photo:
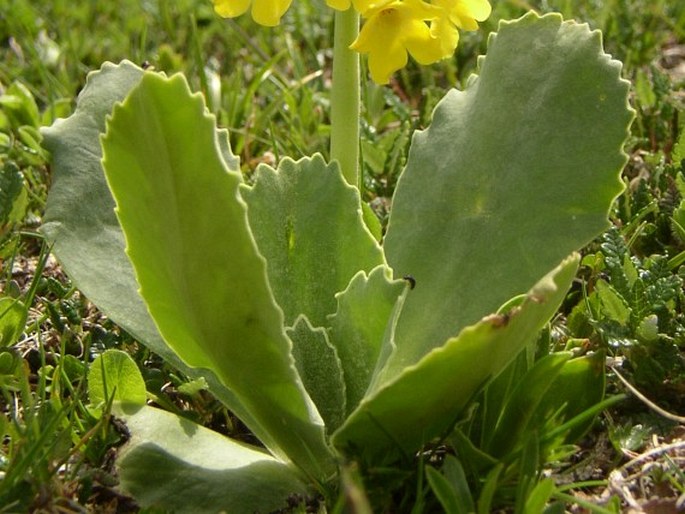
{"x":146,"y":64}
{"x":411,"y":280}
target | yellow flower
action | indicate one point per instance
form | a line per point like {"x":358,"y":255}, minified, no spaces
{"x":465,"y":14}
{"x":264,"y":12}
{"x":394,"y":28}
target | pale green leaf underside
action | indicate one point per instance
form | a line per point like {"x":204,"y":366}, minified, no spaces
{"x":319,"y":366}
{"x":85,"y":233}
{"x":115,"y":376}
{"x":514,"y":173}
{"x":198,"y":267}
{"x":174,"y":464}
{"x":308,"y":224}
{"x":425,"y":400}
{"x":359,"y":326}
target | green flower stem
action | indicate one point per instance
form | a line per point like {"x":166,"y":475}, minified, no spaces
{"x":345,"y":96}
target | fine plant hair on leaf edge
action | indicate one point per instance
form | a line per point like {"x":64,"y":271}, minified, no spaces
{"x":80,"y":220}
{"x":492,"y":215}
{"x":421,"y":402}
{"x":361,"y":327}
{"x":320,"y":369}
{"x":203,"y":262}
{"x":307,"y":222}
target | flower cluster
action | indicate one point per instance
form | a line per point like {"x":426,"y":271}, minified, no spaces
{"x":393,"y":29}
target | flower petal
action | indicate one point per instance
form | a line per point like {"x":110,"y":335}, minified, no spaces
{"x":383,"y":65}
{"x":466,"y":14}
{"x":380,"y":37}
{"x":231,"y":8}
{"x":269,"y":12}
{"x":478,"y":9}
{"x":448,"y":35}
{"x":421,"y":44}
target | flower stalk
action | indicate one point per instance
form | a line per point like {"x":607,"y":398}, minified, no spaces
{"x":345,"y":97}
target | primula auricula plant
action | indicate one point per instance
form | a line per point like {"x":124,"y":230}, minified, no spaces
{"x":281,"y":298}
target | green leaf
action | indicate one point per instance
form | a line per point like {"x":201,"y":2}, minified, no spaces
{"x":451,"y":487}
{"x":80,"y":223}
{"x":193,"y":387}
{"x":198,"y":267}
{"x":614,"y":306}
{"x":513,"y":174}
{"x":308,"y":224}
{"x":487,"y":493}
{"x":172,"y":463}
{"x":372,"y":222}
{"x":13,"y":314}
{"x":11,"y":186}
{"x":407,"y":410}
{"x":319,"y":366}
{"x":644,"y":91}
{"x":114,"y":374}
{"x":513,"y":423}
{"x":539,"y":496}
{"x":678,"y":154}
{"x":578,"y":387}
{"x":18,"y":104}
{"x":358,"y":328}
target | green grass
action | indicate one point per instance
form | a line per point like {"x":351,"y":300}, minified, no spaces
{"x":270,"y":88}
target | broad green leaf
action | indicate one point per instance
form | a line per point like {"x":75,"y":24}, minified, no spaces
{"x":114,"y":374}
{"x":358,"y":328}
{"x":308,"y":224}
{"x":514,"y":173}
{"x":319,"y":366}
{"x":176,"y":465}
{"x":200,"y":273}
{"x":11,"y":186}
{"x":425,"y":400}
{"x":13,"y":314}
{"x":87,"y":239}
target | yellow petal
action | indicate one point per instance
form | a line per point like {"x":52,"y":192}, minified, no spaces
{"x":448,"y":35}
{"x":466,"y":14}
{"x":420,"y":10}
{"x":269,"y":12}
{"x":380,"y":38}
{"x":478,"y":9}
{"x":421,"y":44}
{"x":392,"y":31}
{"x":383,"y":64}
{"x":231,"y":8}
